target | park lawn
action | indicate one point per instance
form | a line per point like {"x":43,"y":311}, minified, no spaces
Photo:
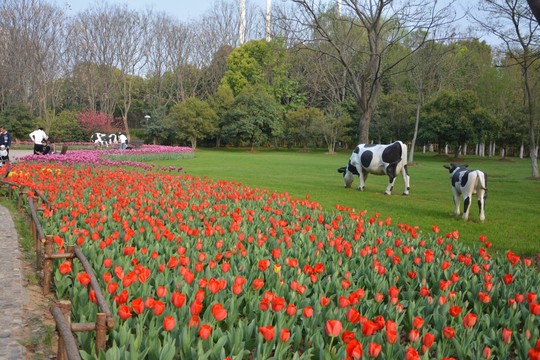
{"x":512,"y":220}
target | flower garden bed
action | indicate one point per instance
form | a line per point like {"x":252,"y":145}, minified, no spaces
{"x":196,"y":268}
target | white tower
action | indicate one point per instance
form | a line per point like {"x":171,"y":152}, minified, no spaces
{"x":268,"y":18}
{"x":242,"y":29}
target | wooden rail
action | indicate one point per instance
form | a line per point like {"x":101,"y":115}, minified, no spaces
{"x":67,"y":345}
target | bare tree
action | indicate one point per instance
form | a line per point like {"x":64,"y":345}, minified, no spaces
{"x":31,"y":60}
{"x":93,"y":57}
{"x":129,"y":40}
{"x":365,"y":39}
{"x":513,"y":23}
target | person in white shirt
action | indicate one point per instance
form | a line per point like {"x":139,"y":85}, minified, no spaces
{"x":122,"y":139}
{"x":37,"y":137}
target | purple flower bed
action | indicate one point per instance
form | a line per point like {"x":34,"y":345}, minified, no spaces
{"x":111,"y":157}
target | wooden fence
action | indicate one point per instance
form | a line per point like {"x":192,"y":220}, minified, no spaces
{"x":61,"y":311}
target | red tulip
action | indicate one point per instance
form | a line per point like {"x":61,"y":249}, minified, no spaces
{"x":308,"y":311}
{"x":414,"y":335}
{"x":158,"y":307}
{"x":418,"y":322}
{"x":506,"y":335}
{"x":428,"y":339}
{"x":354,"y":350}
{"x":391,"y":336}
{"x":347,"y":336}
{"x":264,"y":304}
{"x":374,"y":349}
{"x":454,"y":310}
{"x":448,"y":332}
{"x":196,"y":307}
{"x":278,"y":303}
{"x":257,"y":284}
{"x":369,"y":328}
{"x":137,"y":305}
{"x":324,"y":301}
{"x":284,"y":335}
{"x":193,"y":321}
{"x":205,"y":331}
{"x":168,"y":323}
{"x":333,"y":327}
{"x":267,"y":332}
{"x":291,"y":310}
{"x":508,"y":279}
{"x":219,"y":312}
{"x":161,"y":291}
{"x":469,"y":320}
{"x":83,"y":278}
{"x":178,"y":299}
{"x":124,"y":312}
{"x":411,"y":354}
{"x":353,"y":315}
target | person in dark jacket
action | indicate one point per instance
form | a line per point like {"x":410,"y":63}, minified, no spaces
{"x":5,"y":138}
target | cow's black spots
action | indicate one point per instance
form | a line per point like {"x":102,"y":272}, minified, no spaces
{"x":466,"y":204}
{"x":464,"y":178}
{"x":366,"y":158}
{"x":392,"y":153}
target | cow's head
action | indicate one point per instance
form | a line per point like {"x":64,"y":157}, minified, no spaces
{"x":453,"y":166}
{"x":348,"y":174}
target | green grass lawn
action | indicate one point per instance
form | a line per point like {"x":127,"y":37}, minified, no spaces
{"x":512,"y":207}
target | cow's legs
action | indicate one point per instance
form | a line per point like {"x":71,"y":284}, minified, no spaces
{"x":363,"y":176}
{"x":466,"y":205}
{"x":390,"y":187}
{"x":406,"y":180}
{"x":482,"y":195}
{"x":456,"y":201}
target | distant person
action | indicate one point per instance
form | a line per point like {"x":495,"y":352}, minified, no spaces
{"x":5,"y":138}
{"x":52,"y":145}
{"x":46,"y":149}
{"x":37,"y":137}
{"x":4,"y":156}
{"x":122,"y":139}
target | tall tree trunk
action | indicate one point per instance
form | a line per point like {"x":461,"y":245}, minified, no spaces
{"x":534,"y":164}
{"x":417,"y":121}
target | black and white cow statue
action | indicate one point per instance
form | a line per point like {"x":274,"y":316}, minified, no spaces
{"x":467,"y":183}
{"x":98,"y":139}
{"x":378,"y":160}
{"x":112,"y":138}
{"x":104,"y":139}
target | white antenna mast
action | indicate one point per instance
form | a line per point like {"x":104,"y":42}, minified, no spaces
{"x":268,"y":18}
{"x":242,"y":29}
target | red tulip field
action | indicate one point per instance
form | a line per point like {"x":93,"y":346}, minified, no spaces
{"x":194,"y":268}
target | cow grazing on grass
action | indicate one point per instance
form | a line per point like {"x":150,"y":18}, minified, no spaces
{"x":378,"y":160}
{"x":468,"y":182}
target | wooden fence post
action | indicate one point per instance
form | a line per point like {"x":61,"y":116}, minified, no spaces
{"x":65,"y":307}
{"x":19,"y":200}
{"x":101,"y":332}
{"x":47,"y":268}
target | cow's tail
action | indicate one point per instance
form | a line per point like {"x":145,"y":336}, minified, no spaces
{"x":404,"y":153}
{"x":482,"y":180}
